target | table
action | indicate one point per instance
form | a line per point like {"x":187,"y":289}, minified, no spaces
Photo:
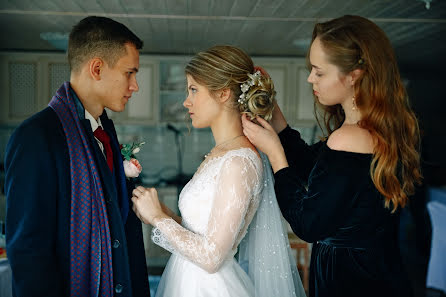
{"x":436,"y":272}
{"x":5,"y":279}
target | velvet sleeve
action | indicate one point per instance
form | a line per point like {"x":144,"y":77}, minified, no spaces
{"x":301,"y":157}
{"x":316,"y":211}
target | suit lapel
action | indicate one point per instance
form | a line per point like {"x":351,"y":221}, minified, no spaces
{"x":121,"y":185}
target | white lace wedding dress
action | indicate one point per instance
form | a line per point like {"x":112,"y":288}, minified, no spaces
{"x":217,"y":206}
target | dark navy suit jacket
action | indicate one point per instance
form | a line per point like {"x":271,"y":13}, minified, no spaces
{"x":38,"y":190}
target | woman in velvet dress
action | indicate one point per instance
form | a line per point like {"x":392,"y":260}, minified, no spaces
{"x":344,"y":193}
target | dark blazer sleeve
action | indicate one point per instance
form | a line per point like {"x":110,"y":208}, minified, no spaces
{"x":301,"y":157}
{"x":315,"y":211}
{"x":31,"y":221}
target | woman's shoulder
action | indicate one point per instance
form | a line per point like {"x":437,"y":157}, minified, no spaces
{"x":351,"y":138}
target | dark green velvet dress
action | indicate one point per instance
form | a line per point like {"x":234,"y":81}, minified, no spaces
{"x":329,"y":199}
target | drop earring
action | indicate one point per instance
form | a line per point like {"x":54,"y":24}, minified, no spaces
{"x":354,"y":104}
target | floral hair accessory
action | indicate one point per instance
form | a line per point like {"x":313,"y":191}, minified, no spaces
{"x":262,"y":70}
{"x":132,"y":167}
{"x":254,"y":80}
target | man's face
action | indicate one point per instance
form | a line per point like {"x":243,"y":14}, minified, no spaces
{"x":119,"y":83}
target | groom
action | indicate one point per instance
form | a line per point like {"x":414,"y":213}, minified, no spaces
{"x":69,"y":231}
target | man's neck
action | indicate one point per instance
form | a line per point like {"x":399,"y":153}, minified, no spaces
{"x":86,"y":97}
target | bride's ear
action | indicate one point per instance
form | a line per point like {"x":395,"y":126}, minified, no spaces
{"x":224,"y":95}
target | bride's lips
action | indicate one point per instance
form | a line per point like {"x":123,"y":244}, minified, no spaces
{"x":315,"y":92}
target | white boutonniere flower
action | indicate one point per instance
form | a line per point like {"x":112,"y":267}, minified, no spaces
{"x":132,"y":167}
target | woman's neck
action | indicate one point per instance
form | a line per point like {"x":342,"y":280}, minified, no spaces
{"x":352,"y":113}
{"x":226,"y":127}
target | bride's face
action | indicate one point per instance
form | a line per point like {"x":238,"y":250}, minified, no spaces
{"x":203,"y":108}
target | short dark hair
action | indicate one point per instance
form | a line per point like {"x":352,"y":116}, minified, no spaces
{"x":100,"y":37}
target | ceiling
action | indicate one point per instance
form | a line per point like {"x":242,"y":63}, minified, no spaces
{"x":261,"y":27}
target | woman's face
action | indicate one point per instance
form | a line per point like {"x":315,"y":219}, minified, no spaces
{"x":203,"y":108}
{"x":330,"y":86}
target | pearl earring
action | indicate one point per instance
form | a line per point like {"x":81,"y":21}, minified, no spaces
{"x":354,"y":104}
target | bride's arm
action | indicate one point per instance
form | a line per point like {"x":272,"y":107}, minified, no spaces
{"x":234,"y":194}
{"x":170,"y":213}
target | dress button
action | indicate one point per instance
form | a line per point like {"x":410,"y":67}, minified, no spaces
{"x":118,"y":288}
{"x":116,"y":244}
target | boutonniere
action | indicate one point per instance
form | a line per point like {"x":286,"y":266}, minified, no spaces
{"x":132,"y":168}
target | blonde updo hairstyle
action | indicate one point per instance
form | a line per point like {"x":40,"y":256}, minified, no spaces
{"x":225,"y":66}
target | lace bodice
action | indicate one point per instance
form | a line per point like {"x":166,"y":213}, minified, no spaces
{"x":217,"y":206}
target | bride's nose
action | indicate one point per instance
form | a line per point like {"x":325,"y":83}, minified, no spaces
{"x":187,"y":103}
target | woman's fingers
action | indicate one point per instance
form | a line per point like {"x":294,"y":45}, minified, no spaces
{"x":264,"y":124}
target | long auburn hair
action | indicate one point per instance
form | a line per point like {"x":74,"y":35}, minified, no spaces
{"x":353,"y":42}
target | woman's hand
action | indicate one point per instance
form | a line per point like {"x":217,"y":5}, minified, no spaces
{"x":278,"y":121}
{"x":265,"y":139}
{"x":146,"y":205}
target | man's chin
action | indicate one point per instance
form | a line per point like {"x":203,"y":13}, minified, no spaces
{"x":117,"y":108}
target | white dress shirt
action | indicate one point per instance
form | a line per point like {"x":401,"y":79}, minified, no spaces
{"x":94,"y":125}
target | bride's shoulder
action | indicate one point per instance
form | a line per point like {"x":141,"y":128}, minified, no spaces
{"x":243,"y":158}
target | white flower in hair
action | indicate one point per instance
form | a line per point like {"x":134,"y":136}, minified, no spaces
{"x":244,"y":87}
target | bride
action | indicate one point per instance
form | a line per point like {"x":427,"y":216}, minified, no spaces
{"x":230,"y":202}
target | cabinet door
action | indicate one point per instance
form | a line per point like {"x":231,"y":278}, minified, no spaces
{"x":293,"y":92}
{"x":279,"y":75}
{"x":305,"y":99}
{"x":58,"y":73}
{"x":172,"y":91}
{"x":20,"y":77}
{"x":142,"y":107}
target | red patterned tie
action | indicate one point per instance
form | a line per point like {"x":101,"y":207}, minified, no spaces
{"x":103,"y":137}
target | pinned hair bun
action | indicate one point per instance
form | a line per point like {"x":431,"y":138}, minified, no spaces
{"x":257,"y":96}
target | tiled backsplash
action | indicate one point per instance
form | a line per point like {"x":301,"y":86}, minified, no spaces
{"x":159,"y":155}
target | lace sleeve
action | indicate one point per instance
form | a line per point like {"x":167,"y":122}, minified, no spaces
{"x":232,"y":210}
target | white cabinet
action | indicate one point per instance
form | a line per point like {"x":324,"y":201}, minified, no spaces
{"x":304,"y":95}
{"x":143,"y":105}
{"x":293,"y":92}
{"x":172,"y":86}
{"x":29,"y":80}
{"x":19,"y":77}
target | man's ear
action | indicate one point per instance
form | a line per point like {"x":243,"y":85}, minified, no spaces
{"x":96,"y":66}
{"x":224,"y":95}
{"x":355,"y":75}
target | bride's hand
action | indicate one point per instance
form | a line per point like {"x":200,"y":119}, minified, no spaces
{"x":146,"y":205}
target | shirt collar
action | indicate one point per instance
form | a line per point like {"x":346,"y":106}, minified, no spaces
{"x":94,"y":124}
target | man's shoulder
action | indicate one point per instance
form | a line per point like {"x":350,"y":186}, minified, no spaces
{"x":42,"y":126}
{"x":41,"y":121}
